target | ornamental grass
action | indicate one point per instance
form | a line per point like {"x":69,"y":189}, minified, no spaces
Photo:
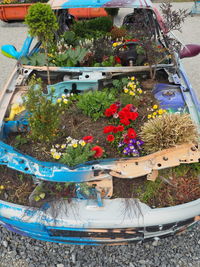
{"x":167,"y":131}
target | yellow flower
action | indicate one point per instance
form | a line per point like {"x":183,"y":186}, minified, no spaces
{"x":57,"y":145}
{"x":140,"y":91}
{"x":56,"y":155}
{"x":131,"y":93}
{"x":53,"y":150}
{"x":155,"y":106}
{"x":63,"y":146}
{"x":164,"y":110}
{"x":59,"y":100}
{"x":125,"y":90}
{"x":2,"y":187}
{"x":75,"y":145}
{"x":149,"y":116}
{"x":63,"y":95}
{"x":82,"y":143}
{"x":154,"y":113}
{"x":116,"y":44}
{"x":132,"y":78}
{"x":160,"y":111}
{"x":65,"y":101}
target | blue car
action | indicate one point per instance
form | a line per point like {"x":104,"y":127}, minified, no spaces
{"x":94,"y":216}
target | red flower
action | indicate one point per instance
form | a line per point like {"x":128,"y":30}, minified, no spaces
{"x":126,"y":139}
{"x":108,"y":112}
{"x":122,"y":114}
{"x":98,"y":151}
{"x":117,"y":59}
{"x":131,"y":133}
{"x":108,"y":129}
{"x":115,"y":130}
{"x":88,"y":139}
{"x":113,"y":107}
{"x":133,"y":116}
{"x":120,"y":128}
{"x":125,"y":121}
{"x":110,"y":138}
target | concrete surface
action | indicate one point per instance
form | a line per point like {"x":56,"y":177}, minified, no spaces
{"x":15,"y":33}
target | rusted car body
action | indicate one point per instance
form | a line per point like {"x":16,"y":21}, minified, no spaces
{"x":101,"y":220}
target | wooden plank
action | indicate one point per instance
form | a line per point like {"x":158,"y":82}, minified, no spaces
{"x":96,"y":69}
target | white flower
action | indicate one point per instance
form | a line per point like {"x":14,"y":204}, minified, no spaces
{"x":69,"y":139}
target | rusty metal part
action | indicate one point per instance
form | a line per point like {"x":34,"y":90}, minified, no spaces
{"x":149,"y":165}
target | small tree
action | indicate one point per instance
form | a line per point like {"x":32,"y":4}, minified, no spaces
{"x":42,"y":24}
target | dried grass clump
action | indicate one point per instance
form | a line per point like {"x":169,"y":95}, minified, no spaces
{"x":168,"y":131}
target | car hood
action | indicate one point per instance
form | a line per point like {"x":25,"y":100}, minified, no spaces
{"x":64,"y":4}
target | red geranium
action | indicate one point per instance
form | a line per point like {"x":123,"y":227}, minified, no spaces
{"x":108,"y":112}
{"x":110,"y":138}
{"x":120,"y":128}
{"x":133,"y":115}
{"x":88,"y":139}
{"x":126,"y":139}
{"x":113,"y":107}
{"x":125,"y":121}
{"x":117,"y":59}
{"x":115,"y":130}
{"x":131,"y":133}
{"x":108,"y":129}
{"x":98,"y":151}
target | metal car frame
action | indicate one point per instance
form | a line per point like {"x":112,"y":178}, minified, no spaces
{"x":96,"y":221}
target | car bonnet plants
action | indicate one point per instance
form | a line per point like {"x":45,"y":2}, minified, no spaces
{"x":93,"y":104}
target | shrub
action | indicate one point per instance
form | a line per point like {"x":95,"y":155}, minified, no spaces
{"x":118,"y":32}
{"x":167,"y":131}
{"x":92,"y":28}
{"x":93,"y":104}
{"x":44,"y":115}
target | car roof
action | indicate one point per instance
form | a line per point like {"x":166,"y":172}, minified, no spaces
{"x":64,"y":4}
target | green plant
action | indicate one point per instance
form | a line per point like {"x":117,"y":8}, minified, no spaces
{"x":93,"y":28}
{"x":42,"y":24}
{"x":107,"y":61}
{"x":70,"y":38}
{"x":20,"y":140}
{"x":150,"y":190}
{"x":167,"y":131}
{"x":77,"y":155}
{"x":71,"y":57}
{"x":93,"y":104}
{"x":44,"y":114}
{"x":37,"y":59}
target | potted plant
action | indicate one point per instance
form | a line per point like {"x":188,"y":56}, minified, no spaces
{"x":98,"y":157}
{"x":11,"y":10}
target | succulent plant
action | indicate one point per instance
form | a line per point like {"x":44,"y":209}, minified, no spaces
{"x":167,"y":131}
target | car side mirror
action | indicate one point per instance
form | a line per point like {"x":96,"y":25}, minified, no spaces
{"x":190,"y":50}
{"x":9,"y":51}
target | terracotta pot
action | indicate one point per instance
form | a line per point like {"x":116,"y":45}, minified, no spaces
{"x":13,"y":11}
{"x":88,"y":12}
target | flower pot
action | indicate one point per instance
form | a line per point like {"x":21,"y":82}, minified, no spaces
{"x":13,"y":12}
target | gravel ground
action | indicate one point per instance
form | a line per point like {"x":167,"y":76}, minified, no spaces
{"x":178,"y":251}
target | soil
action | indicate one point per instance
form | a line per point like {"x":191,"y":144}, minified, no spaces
{"x":182,"y":189}
{"x":17,"y":186}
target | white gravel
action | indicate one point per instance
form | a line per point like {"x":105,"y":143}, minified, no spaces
{"x":178,"y":251}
